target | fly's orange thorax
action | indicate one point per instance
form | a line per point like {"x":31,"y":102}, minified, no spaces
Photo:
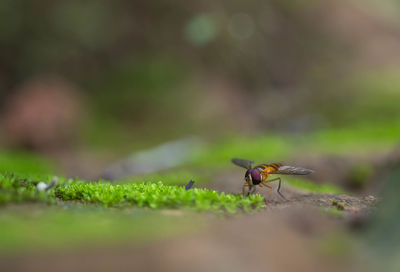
{"x":274,"y":166}
{"x":267,"y":168}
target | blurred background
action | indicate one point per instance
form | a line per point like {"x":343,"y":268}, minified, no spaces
{"x":110,"y":89}
{"x":101,"y":79}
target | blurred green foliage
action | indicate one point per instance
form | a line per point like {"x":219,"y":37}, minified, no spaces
{"x":143,"y":66}
{"x":366,"y":98}
{"x":201,"y":29}
{"x":271,"y":147}
{"x":363,"y":138}
{"x":179,"y":176}
{"x":25,"y":162}
{"x":356,"y":139}
{"x":142,"y":83}
{"x":360,"y":174}
{"x":309,"y":186}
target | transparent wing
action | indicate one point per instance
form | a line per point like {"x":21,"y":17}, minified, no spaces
{"x":243,"y":163}
{"x":292,"y":170}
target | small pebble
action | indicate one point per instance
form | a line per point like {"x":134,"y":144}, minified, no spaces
{"x":370,"y":198}
{"x":41,"y":186}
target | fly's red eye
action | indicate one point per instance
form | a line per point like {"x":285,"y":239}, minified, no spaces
{"x":255,"y":175}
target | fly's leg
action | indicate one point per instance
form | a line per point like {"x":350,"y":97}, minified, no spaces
{"x":244,"y":185}
{"x":269,"y":192}
{"x":252,"y":190}
{"x":257,"y":190}
{"x":279,"y":186}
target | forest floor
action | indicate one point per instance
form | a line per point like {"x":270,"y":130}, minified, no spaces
{"x":306,"y":232}
{"x":318,"y":227}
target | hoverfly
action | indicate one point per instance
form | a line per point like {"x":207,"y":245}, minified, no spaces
{"x":259,"y":174}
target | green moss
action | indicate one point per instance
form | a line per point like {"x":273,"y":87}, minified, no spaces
{"x":152,"y":195}
{"x":17,"y":189}
{"x":155,"y":195}
{"x":334,"y":212}
{"x":340,"y":206}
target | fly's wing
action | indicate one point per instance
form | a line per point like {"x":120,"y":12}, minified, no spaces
{"x":291,"y":170}
{"x":243,"y":163}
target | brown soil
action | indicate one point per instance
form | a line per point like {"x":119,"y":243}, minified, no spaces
{"x":289,"y":235}
{"x":293,"y":239}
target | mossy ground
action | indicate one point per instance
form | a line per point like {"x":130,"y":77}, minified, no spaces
{"x":17,"y":189}
{"x":76,"y":212}
{"x":133,"y":209}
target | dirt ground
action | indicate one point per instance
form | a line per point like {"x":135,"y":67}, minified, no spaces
{"x":304,"y":232}
{"x":298,"y":234}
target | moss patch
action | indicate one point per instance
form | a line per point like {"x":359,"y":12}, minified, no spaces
{"x":156,"y":195}
{"x":15,"y":189}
